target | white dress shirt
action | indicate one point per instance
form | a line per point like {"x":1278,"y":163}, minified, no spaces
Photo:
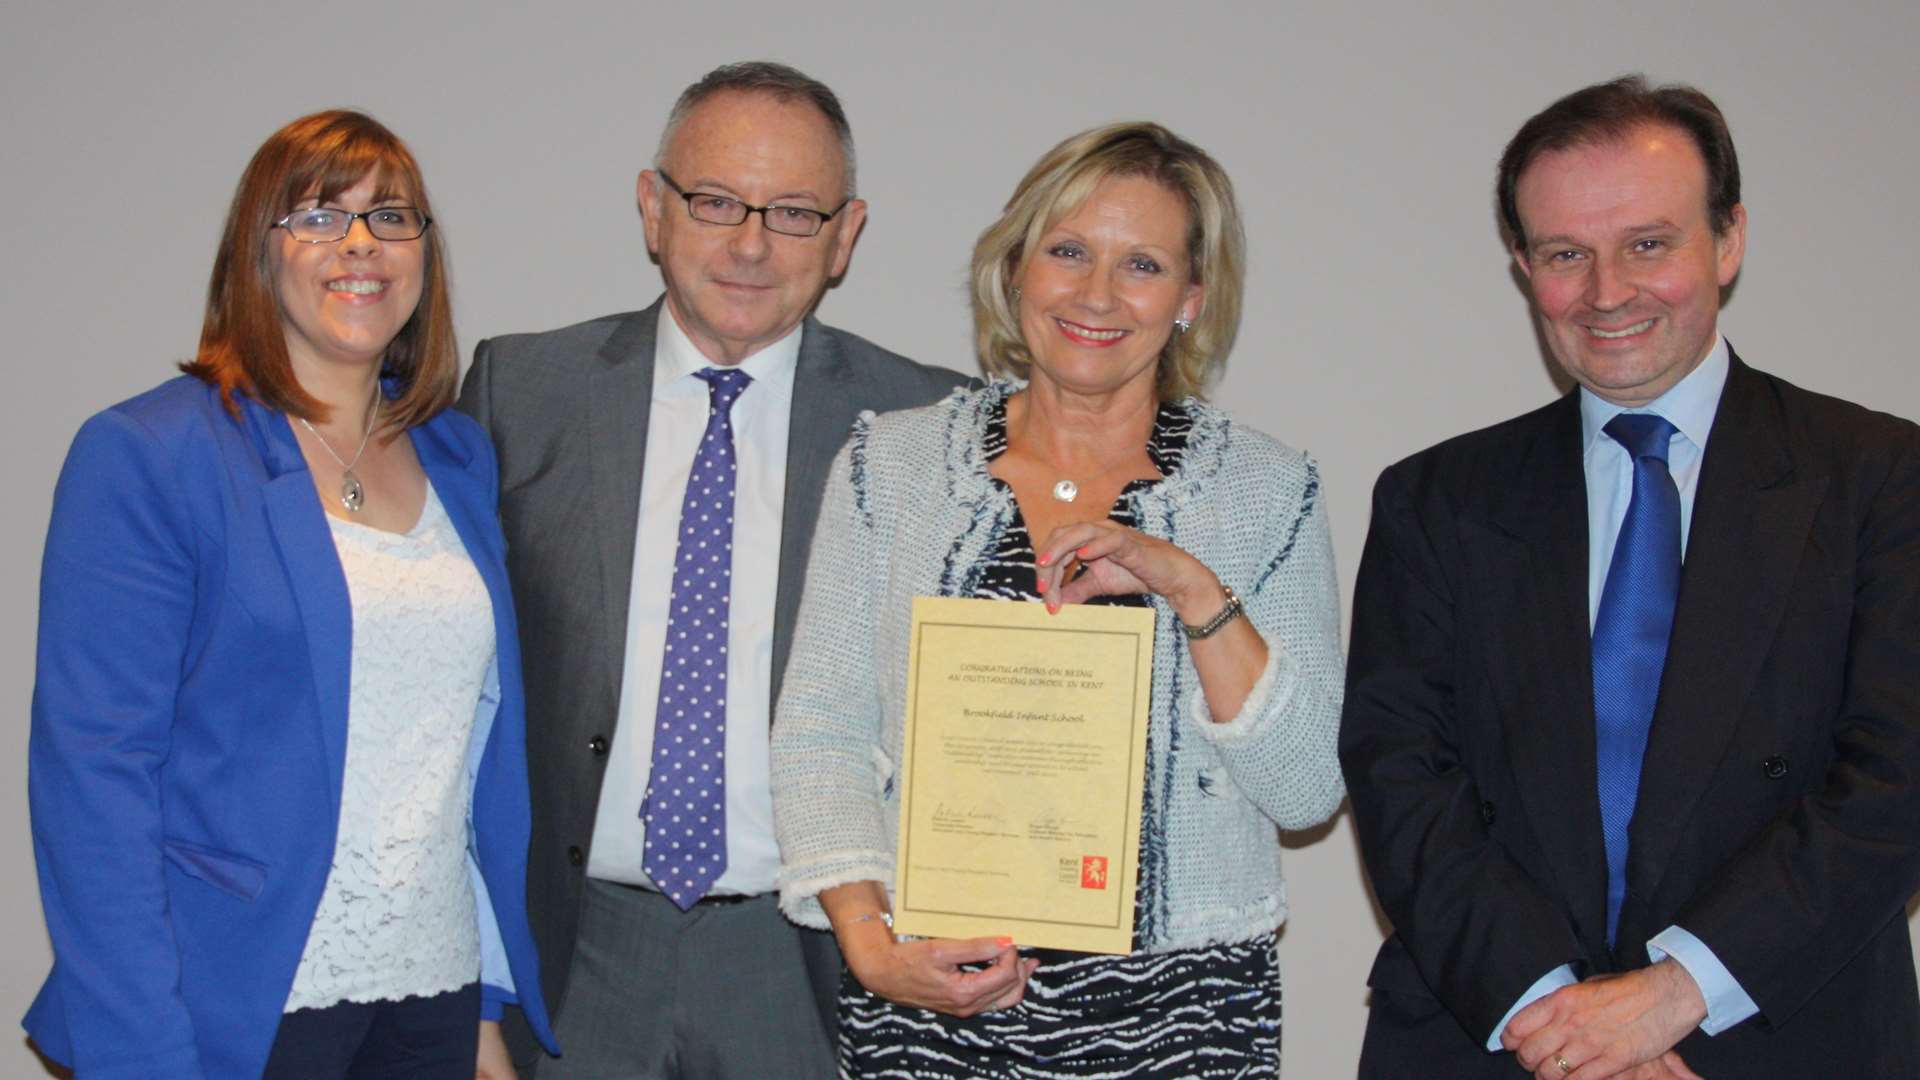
{"x":1690,"y":407}
{"x":676,"y":420}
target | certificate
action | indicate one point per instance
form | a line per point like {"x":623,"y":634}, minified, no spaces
{"x":1026,"y":740}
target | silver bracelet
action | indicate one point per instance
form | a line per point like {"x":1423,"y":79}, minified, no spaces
{"x":1212,"y":626}
{"x":884,"y":916}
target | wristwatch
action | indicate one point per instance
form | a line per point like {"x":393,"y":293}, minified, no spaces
{"x":1212,"y":626}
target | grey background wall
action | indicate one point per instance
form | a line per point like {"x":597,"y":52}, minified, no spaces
{"x":1381,"y":318}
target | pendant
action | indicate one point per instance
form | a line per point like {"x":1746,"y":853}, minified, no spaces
{"x":1066,"y":491}
{"x":352,"y":495}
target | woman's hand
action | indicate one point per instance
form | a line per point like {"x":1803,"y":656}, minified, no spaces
{"x":925,"y":974}
{"x":493,"y":1062}
{"x":1121,"y":561}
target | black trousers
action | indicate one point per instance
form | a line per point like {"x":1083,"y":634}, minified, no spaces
{"x":416,"y":1038}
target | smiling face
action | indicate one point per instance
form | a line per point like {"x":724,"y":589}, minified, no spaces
{"x":1623,"y":263}
{"x":737,"y":288}
{"x":343,"y":303}
{"x":1100,"y":292}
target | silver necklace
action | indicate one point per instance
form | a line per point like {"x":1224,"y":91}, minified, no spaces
{"x":1065,"y":490}
{"x":353,"y":494}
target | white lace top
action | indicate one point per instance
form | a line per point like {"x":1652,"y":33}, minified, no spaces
{"x":398,"y":915}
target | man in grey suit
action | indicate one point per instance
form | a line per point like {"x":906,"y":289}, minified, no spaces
{"x":663,"y":961}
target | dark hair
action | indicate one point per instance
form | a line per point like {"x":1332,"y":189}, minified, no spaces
{"x":243,"y":345}
{"x":1609,"y":111}
{"x":777,"y":80}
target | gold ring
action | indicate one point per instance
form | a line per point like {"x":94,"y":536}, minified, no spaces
{"x":1565,"y":1065}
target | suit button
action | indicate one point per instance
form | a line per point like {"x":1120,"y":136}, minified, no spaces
{"x":597,"y":744}
{"x":576,"y":857}
{"x":1486,"y":813}
{"x":1775,"y":767}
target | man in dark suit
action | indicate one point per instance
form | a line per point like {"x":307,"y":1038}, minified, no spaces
{"x":1633,"y":720}
{"x":661,"y":472}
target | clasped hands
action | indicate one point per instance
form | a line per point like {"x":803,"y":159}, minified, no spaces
{"x":1610,"y":1026}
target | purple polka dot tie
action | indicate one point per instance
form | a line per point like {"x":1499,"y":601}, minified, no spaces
{"x":686,"y":806}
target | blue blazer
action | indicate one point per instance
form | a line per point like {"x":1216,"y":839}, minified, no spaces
{"x":190,"y":730}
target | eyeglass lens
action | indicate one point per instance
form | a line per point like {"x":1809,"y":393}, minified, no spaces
{"x":323,"y":223}
{"x":720,"y":210}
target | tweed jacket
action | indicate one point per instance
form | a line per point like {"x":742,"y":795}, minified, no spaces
{"x":910,"y":510}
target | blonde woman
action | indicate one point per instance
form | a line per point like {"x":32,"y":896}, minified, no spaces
{"x":1089,"y":471}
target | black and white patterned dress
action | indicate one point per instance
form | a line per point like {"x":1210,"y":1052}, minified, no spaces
{"x":1212,"y":1011}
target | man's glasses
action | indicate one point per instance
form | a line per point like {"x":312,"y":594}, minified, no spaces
{"x":721,"y":210}
{"x":325,"y":225}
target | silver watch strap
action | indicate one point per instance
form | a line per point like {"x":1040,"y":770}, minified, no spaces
{"x":1212,"y":626}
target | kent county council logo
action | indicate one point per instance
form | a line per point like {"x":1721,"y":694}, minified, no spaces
{"x":1093,"y":871}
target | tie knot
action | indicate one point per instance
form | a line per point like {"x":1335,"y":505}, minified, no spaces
{"x":1643,"y":434}
{"x":723,"y":384}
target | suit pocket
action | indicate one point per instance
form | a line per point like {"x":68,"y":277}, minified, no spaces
{"x":223,"y":870}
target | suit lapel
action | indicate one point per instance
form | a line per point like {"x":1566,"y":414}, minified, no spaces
{"x":1751,"y":517}
{"x":619,"y":389}
{"x":319,"y":585}
{"x":450,"y":468}
{"x":1528,"y":568}
{"x":825,"y":405}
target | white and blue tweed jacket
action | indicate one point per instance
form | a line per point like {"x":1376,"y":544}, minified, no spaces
{"x":910,"y":511}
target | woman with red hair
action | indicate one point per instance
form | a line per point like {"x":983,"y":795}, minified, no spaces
{"x":277,"y":765}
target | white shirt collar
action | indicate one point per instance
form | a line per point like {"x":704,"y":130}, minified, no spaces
{"x":1690,"y":406}
{"x":676,"y":357}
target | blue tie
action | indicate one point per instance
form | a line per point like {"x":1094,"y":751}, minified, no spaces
{"x":686,"y":807}
{"x":1630,"y":635}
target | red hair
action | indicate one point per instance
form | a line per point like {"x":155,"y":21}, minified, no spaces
{"x":243,"y":345}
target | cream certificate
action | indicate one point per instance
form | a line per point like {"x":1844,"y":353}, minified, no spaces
{"x":1025,"y":747}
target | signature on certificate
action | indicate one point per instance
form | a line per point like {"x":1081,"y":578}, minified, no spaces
{"x":960,"y":818}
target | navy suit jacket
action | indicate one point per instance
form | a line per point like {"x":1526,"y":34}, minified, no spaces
{"x":190,"y":728}
{"x":1779,"y":808}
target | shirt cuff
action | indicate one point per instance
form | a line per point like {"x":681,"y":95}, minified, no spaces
{"x":1547,"y":984}
{"x":1727,"y":1002}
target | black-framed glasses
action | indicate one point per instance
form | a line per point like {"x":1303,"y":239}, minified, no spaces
{"x":327,"y":225}
{"x":722,"y":210}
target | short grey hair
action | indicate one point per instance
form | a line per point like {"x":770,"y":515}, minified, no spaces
{"x":779,"y":81}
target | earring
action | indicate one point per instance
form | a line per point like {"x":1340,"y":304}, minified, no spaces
{"x":1183,"y":324}
{"x":1015,"y":295}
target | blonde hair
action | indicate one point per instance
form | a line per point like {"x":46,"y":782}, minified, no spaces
{"x":1056,"y":186}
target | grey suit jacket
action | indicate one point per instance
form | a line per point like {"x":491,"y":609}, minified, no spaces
{"x":568,"y":412}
